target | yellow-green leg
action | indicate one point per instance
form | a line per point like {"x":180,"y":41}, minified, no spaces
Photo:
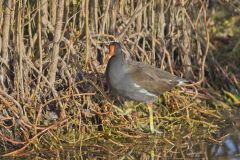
{"x":151,"y":117}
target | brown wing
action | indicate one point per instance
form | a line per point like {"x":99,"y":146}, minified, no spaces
{"x":150,"y":78}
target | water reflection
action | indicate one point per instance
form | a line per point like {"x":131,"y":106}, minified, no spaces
{"x":229,"y":148}
{"x":151,"y":147}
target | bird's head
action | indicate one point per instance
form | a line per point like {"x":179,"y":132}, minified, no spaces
{"x":115,"y":49}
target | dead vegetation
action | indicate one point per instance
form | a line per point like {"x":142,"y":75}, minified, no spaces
{"x":52,"y":86}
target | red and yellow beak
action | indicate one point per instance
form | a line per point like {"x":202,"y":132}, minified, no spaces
{"x":111,"y":50}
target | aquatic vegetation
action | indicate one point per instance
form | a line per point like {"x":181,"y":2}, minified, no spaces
{"x":54,"y":99}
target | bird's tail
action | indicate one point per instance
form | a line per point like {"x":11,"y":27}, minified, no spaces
{"x":181,"y":81}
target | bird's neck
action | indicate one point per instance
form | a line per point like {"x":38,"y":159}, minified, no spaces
{"x":118,"y":62}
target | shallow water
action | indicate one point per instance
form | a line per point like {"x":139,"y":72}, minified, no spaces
{"x":228,"y":148}
{"x":224,"y":144}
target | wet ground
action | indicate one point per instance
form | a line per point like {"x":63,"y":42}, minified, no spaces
{"x":225,"y":146}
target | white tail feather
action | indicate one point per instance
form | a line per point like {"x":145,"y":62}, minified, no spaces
{"x":181,"y":82}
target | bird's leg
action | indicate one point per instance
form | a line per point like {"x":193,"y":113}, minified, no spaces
{"x":149,"y":105}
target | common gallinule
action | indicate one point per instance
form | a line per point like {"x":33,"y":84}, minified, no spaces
{"x":137,"y":81}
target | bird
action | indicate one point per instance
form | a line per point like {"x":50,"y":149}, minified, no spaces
{"x":137,"y":81}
